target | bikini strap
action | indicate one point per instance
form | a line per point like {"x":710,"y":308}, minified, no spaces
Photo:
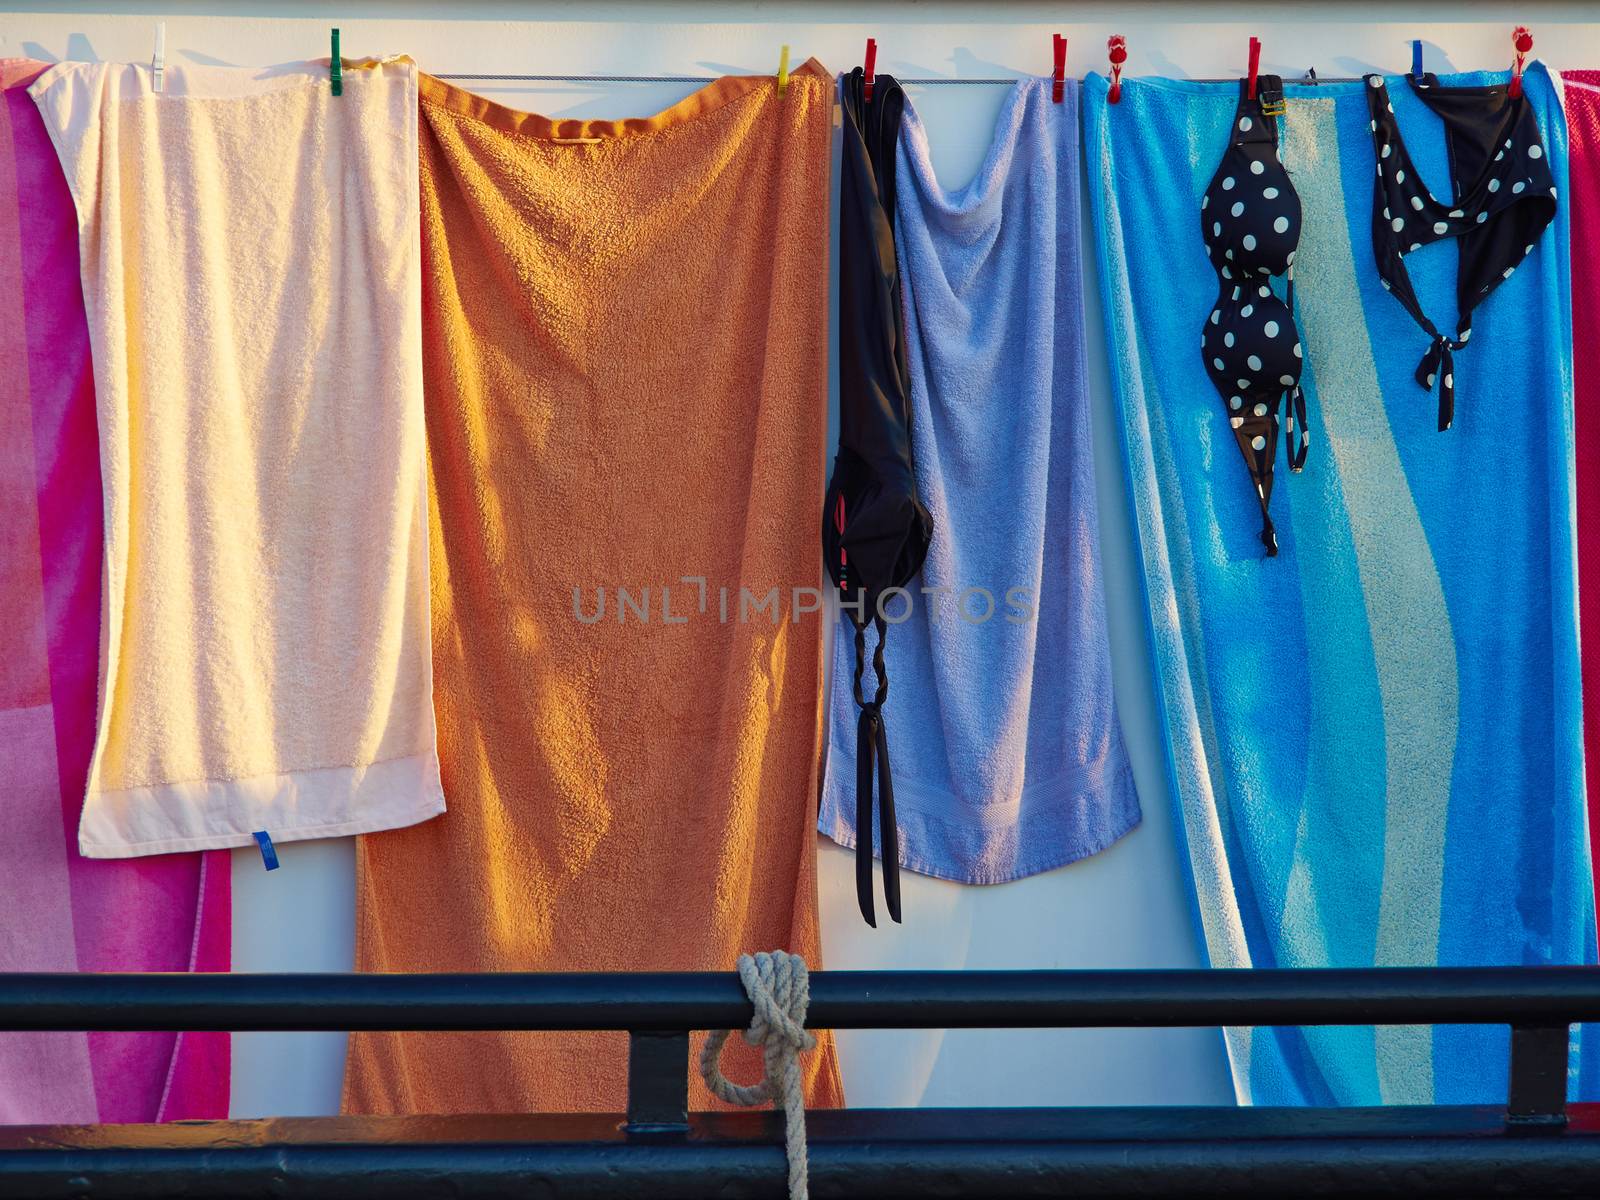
{"x":1438,"y":365}
{"x":872,"y":749}
{"x":1296,"y":447}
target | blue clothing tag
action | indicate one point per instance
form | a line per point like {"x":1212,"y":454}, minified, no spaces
{"x":269,"y":856}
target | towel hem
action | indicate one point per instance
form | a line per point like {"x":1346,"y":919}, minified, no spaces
{"x":219,"y":814}
{"x":705,"y":100}
{"x":1039,"y":827}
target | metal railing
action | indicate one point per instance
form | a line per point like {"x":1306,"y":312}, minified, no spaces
{"x":1530,"y":1146}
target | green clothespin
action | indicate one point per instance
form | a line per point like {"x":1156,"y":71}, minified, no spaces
{"x":336,"y":67}
{"x":783,"y":71}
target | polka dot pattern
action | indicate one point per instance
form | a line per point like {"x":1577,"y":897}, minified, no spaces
{"x":1251,"y":229}
{"x":1514,"y":190}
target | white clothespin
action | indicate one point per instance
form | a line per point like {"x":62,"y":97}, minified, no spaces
{"x":158,"y":61}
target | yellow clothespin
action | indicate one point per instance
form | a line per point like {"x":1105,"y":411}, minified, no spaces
{"x":158,"y":60}
{"x":783,"y":70}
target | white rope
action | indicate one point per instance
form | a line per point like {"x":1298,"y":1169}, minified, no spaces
{"x":779,"y":987}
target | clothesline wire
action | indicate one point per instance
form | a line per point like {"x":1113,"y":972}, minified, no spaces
{"x":1301,"y":82}
{"x":712,"y":79}
{"x":674,"y":79}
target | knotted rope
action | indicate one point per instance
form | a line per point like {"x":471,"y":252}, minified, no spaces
{"x":779,"y":987}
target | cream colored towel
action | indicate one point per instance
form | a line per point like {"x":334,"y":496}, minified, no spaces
{"x":250,"y":270}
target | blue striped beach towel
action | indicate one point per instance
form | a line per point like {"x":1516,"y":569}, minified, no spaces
{"x":1375,"y":739}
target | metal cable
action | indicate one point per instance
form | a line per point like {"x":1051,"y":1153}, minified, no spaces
{"x":674,"y":79}
{"x":982,"y":82}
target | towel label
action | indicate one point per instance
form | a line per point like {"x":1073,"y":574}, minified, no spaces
{"x":269,"y":856}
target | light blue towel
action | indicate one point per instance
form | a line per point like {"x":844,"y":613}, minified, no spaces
{"x":1008,"y":758}
{"x":1375,"y":737}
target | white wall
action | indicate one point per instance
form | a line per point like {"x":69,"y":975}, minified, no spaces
{"x":1127,"y":907}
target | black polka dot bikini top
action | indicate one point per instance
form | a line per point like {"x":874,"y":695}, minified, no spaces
{"x":1504,"y":198}
{"x":1250,"y":216}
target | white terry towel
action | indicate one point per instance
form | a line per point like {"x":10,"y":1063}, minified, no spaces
{"x":250,"y":270}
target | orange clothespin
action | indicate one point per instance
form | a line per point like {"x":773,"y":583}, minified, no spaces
{"x":1255,"y":65}
{"x":1522,"y":42}
{"x":1117,"y":52}
{"x":1058,"y":76}
{"x":868,"y":66}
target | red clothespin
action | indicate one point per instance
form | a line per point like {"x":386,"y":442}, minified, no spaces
{"x":868,"y":66}
{"x":1117,"y":52}
{"x":1522,"y":41}
{"x":1059,"y":78}
{"x":1255,"y":64}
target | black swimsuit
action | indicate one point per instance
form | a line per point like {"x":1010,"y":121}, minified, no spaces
{"x":1250,"y":217}
{"x":875,"y":529}
{"x":1505,"y":196}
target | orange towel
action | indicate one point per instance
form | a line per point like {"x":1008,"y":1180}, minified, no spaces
{"x":625,"y":328}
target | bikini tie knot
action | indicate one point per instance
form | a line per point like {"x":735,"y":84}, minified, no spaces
{"x":1438,"y":366}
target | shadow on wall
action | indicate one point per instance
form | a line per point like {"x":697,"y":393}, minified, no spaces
{"x":78,"y":50}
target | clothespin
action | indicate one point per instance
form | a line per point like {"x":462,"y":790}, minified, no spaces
{"x":783,"y":70}
{"x":1058,"y":84}
{"x":844,"y":558}
{"x":868,"y":66}
{"x":1255,"y":64}
{"x":1522,"y":42}
{"x":269,"y":854}
{"x":336,"y":67}
{"x":158,"y":60}
{"x":1416,"y":57}
{"x":1117,"y":52}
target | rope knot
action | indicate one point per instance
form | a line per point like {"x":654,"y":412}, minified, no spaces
{"x":779,"y":987}
{"x":780,"y":994}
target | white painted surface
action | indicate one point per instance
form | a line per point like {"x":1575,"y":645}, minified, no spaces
{"x":1127,"y":907}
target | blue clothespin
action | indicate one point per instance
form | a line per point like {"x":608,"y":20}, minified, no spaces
{"x":335,"y":67}
{"x":1416,"y":56}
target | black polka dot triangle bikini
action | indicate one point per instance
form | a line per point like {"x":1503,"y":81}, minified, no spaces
{"x":1505,"y":196}
{"x":1250,"y":217}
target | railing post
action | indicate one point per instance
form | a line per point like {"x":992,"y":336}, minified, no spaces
{"x":1538,"y":1094}
{"x":658,"y":1081}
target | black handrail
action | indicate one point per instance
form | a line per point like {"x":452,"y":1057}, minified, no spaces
{"x":662,"y":1152}
{"x":1517,"y":996}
